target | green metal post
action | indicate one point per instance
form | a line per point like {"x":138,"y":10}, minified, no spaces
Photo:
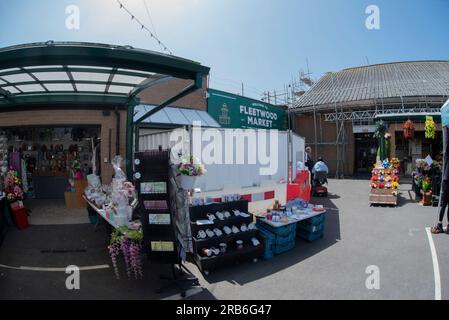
{"x":136,"y":138}
{"x":129,"y":139}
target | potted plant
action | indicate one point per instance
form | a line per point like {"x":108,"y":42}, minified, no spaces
{"x":426,"y":185}
{"x":190,"y":168}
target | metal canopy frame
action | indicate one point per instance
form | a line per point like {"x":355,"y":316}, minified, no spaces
{"x":75,"y":73}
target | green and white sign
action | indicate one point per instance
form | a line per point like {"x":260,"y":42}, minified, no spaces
{"x":234,"y":111}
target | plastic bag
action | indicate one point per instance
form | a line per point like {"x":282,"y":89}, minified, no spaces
{"x":118,"y":172}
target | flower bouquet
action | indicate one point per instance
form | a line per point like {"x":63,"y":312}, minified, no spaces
{"x":190,"y":168}
{"x":13,"y":188}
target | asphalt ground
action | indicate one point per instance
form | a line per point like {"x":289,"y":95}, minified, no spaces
{"x":357,"y":236}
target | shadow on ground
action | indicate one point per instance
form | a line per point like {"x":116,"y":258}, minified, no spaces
{"x":59,"y":246}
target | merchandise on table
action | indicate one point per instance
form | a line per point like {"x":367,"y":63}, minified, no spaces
{"x":223,"y":234}
{"x":280,"y":227}
{"x":116,"y":200}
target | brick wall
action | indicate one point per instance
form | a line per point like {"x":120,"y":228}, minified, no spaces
{"x":325,"y":138}
{"x":160,"y":92}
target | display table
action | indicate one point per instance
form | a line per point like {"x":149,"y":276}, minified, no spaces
{"x":280,"y":236}
{"x":103,"y":213}
{"x":382,"y":196}
{"x":107,"y":215}
{"x":295,"y":218}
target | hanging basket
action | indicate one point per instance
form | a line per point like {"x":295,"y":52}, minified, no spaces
{"x":430,"y":128}
{"x":409,"y":130}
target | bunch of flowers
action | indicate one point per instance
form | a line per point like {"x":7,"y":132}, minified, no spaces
{"x":127,"y":241}
{"x":13,"y":188}
{"x":430,"y":128}
{"x":380,"y":185}
{"x":394,"y":162}
{"x":373,"y":185}
{"x":374,"y":178}
{"x":386,"y":164}
{"x":191,"y":166}
{"x":409,"y":129}
{"x":395,"y":185}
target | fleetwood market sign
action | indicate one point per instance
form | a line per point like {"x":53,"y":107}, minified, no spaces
{"x":233,"y":111}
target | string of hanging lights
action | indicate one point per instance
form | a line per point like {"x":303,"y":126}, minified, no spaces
{"x":143,"y":27}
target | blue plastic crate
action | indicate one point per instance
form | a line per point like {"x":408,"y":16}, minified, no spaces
{"x":310,"y":227}
{"x":316,"y":220}
{"x":269,"y":239}
{"x":278,"y":231}
{"x":310,"y":236}
{"x":281,"y":240}
{"x":286,"y":246}
{"x":280,"y":243}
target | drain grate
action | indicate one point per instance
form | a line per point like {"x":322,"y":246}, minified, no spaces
{"x":64,"y":251}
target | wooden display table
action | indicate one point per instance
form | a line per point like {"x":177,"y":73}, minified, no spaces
{"x":383,"y":196}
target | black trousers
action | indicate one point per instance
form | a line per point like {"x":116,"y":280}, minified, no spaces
{"x":444,"y":200}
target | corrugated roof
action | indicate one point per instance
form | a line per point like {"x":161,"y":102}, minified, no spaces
{"x":175,"y":116}
{"x":390,"y":80}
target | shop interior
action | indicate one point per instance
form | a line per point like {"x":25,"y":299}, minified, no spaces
{"x":52,"y":164}
{"x":365,"y":152}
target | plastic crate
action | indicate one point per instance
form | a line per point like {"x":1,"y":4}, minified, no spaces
{"x":269,"y":239}
{"x":278,"y":231}
{"x":280,"y":243}
{"x":310,"y":227}
{"x":310,"y":236}
{"x":287,"y":246}
{"x":315,"y":220}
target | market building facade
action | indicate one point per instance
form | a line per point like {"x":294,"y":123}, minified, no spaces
{"x":337,"y":116}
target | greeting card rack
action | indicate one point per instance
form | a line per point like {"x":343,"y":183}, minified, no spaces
{"x":152,"y":185}
{"x":233,"y":254}
{"x":152,"y":176}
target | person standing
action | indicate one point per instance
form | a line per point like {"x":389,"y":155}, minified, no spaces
{"x":309,"y":162}
{"x":444,"y":202}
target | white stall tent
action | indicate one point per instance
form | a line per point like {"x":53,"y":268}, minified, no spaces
{"x":230,"y":177}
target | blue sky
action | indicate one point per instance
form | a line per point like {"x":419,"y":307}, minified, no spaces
{"x":262,"y":43}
